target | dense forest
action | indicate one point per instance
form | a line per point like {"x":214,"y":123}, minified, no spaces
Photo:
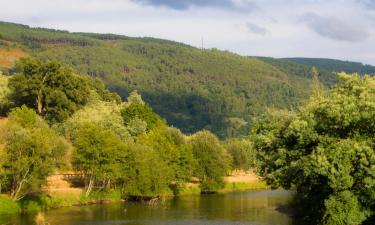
{"x":191,"y":88}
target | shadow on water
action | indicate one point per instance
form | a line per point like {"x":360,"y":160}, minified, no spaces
{"x":246,"y":208}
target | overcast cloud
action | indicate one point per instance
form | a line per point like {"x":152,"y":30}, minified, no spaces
{"x":241,"y":6}
{"x":342,"y":29}
{"x":336,"y":29}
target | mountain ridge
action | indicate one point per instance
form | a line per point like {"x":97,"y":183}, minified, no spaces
{"x":192,"y":88}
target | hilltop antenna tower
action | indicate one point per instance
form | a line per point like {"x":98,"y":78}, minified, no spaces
{"x":202,"y":43}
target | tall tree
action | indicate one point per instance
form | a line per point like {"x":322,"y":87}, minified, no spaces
{"x":326,"y":151}
{"x":100,"y":155}
{"x":32,"y":152}
{"x":136,"y":110}
{"x":149,"y":175}
{"x":316,"y":86}
{"x":212,"y":159}
{"x":243,"y":153}
{"x":52,"y":90}
{"x":173,"y":149}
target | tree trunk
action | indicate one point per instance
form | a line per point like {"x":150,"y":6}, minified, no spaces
{"x":91,"y":184}
{"x":39,"y":106}
{"x":109,"y":183}
{"x":14,"y":193}
{"x":39,"y":103}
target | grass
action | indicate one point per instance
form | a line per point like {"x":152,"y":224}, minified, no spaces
{"x":243,"y":186}
{"x":228,"y":187}
{"x":193,"y":189}
{"x":67,"y":197}
{"x":7,"y":206}
{"x":112,"y":195}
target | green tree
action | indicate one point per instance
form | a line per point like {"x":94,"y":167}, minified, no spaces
{"x":173,"y":149}
{"x":242,"y":152}
{"x":52,"y":90}
{"x":136,"y":109}
{"x":326,"y":151}
{"x":105,"y":115}
{"x":3,"y":132}
{"x":32,"y":152}
{"x":212,"y":159}
{"x":4,"y":91}
{"x":316,"y":86}
{"x":100,"y":155}
{"x":149,"y":176}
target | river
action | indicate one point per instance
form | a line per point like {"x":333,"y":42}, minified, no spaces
{"x":244,"y":208}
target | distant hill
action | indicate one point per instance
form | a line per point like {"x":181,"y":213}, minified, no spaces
{"x":192,"y":88}
{"x":290,"y":67}
{"x":335,"y":65}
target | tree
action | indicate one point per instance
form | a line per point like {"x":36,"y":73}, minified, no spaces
{"x":326,"y":151}
{"x":105,"y":115}
{"x":100,"y":155}
{"x":171,"y":146}
{"x":136,"y":109}
{"x":316,"y":86}
{"x":242,"y":152}
{"x":32,"y":152}
{"x":148,"y":176}
{"x":3,"y":123}
{"x":4,"y":91}
{"x":52,"y":90}
{"x":212,"y":159}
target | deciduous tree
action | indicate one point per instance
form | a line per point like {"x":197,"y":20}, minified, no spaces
{"x":326,"y":151}
{"x":32,"y":152}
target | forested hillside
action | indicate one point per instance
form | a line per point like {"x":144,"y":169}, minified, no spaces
{"x":193,"y":89}
{"x":335,"y":65}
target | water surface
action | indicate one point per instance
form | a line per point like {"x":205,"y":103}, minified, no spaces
{"x":245,"y":208}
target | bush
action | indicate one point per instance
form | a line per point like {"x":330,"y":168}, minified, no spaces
{"x":8,"y":206}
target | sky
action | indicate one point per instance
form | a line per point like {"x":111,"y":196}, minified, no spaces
{"x":341,"y":29}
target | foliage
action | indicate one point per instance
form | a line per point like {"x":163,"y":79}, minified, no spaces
{"x":4,"y":91}
{"x":334,"y":65}
{"x":326,"y":151}
{"x":149,"y":175}
{"x":8,"y":206}
{"x":242,"y":152}
{"x":171,"y":145}
{"x":105,"y":115}
{"x":191,"y":88}
{"x":32,"y":152}
{"x":243,"y":186}
{"x":53,"y":91}
{"x":212,"y":158}
{"x":100,"y":155}
{"x":136,"y":110}
{"x":298,"y":70}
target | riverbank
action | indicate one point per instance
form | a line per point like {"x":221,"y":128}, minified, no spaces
{"x":58,"y":193}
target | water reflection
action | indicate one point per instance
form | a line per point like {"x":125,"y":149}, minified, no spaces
{"x":247,"y":208}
